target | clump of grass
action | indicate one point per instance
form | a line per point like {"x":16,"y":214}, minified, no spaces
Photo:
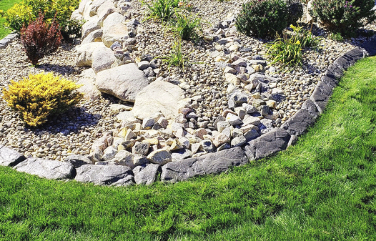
{"x":161,"y":9}
{"x":288,"y":48}
{"x":186,"y":26}
{"x":336,"y":37}
{"x":176,"y":56}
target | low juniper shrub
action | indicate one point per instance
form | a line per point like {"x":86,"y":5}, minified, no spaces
{"x":344,"y":16}
{"x":41,"y":96}
{"x":263,"y":18}
{"x":40,"y":39}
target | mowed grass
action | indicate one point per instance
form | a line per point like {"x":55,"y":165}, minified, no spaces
{"x":5,"y":5}
{"x":322,"y":188}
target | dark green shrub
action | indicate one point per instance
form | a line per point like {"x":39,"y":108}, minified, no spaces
{"x":263,"y":18}
{"x":72,"y":29}
{"x":295,"y":8}
{"x":344,"y":16}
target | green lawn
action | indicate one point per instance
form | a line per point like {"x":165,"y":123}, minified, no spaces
{"x":322,"y":188}
{"x":5,"y":5}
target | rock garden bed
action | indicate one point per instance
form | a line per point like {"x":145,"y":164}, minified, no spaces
{"x":227,"y":106}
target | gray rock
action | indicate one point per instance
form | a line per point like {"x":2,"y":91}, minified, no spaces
{"x":145,"y":174}
{"x":103,"y":58}
{"x":310,"y":106}
{"x":90,"y":26}
{"x":160,"y":157}
{"x":127,"y":117}
{"x":143,"y":65}
{"x":237,"y":98}
{"x":181,"y":154}
{"x":46,"y":168}
{"x":141,"y":148}
{"x":298,"y":123}
{"x":105,"y":175}
{"x":123,"y":82}
{"x":148,"y":123}
{"x":85,"y":53}
{"x":77,"y":160}
{"x":207,"y":146}
{"x":211,"y":163}
{"x":95,"y":36}
{"x":238,"y":141}
{"x":88,"y":88}
{"x":7,"y":40}
{"x":124,"y":158}
{"x":267,"y":144}
{"x":233,"y":119}
{"x":109,"y":153}
{"x":249,"y":109}
{"x":251,"y":134}
{"x":321,"y":95}
{"x":10,"y":157}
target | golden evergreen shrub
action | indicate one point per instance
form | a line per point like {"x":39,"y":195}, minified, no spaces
{"x":40,"y":96}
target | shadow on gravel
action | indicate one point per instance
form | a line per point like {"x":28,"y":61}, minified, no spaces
{"x":61,"y":69}
{"x":72,"y":121}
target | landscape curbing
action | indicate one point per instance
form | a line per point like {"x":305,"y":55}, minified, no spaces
{"x":212,"y":163}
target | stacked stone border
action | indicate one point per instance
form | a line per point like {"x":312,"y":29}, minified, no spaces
{"x":279,"y":139}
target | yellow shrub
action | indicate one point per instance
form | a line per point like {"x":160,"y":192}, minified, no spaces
{"x":40,"y":96}
{"x":19,"y":15}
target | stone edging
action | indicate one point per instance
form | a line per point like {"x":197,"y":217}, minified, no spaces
{"x":7,"y":40}
{"x":212,"y":163}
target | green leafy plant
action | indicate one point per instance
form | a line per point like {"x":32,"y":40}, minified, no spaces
{"x":176,"y":57}
{"x":28,"y":10}
{"x":336,"y":37}
{"x":344,"y":16}
{"x":161,"y":9}
{"x":288,"y":49}
{"x":186,"y":26}
{"x":41,"y":96}
{"x":72,"y":29}
{"x":19,"y":15}
{"x":305,"y":37}
{"x":262,"y":18}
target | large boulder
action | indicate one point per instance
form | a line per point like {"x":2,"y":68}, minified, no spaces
{"x":90,"y":26}
{"x":95,"y":36}
{"x":114,"y":29}
{"x":87,"y":82}
{"x":85,"y":53}
{"x":105,"y":10}
{"x":103,"y":58}
{"x":95,"y":5}
{"x":46,"y":168}
{"x":9,"y":157}
{"x":159,"y":96}
{"x":113,"y":175}
{"x":211,"y":163}
{"x":124,"y":81}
